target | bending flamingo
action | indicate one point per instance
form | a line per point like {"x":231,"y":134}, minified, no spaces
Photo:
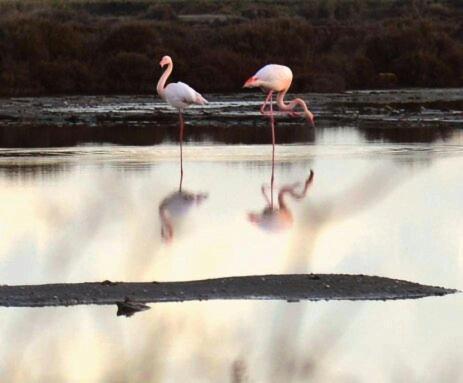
{"x":180,"y":96}
{"x":276,"y":219}
{"x":277,"y":78}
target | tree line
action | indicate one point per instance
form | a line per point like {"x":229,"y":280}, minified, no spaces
{"x":114,"y":47}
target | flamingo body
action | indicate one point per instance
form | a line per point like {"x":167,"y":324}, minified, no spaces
{"x":274,"y":77}
{"x":174,"y":207}
{"x":180,"y":95}
{"x":277,"y":78}
{"x":272,"y":220}
{"x":179,"y":203}
{"x":177,"y":94}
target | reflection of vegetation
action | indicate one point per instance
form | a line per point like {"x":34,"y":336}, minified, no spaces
{"x":400,"y":134}
{"x":41,"y":136}
{"x":411,"y":157}
{"x":16,"y":170}
{"x":113,"y":46}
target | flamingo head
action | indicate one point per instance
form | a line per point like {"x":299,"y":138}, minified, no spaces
{"x":259,"y":218}
{"x":251,"y":82}
{"x":255,"y":218}
{"x":165,"y":61}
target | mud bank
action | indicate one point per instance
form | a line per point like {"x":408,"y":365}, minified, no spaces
{"x":411,"y":106}
{"x":292,"y":288}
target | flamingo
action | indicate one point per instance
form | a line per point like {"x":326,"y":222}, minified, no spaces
{"x":174,"y":207}
{"x":178,"y":95}
{"x":277,"y":78}
{"x":279,"y":219}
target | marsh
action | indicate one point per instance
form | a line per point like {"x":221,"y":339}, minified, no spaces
{"x":82,"y":204}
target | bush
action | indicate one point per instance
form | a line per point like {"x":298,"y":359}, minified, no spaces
{"x":330,"y":45}
{"x":60,"y":76}
{"x":160,"y":12}
{"x":130,"y":37}
{"x":423,"y":68}
{"x":130,"y":72}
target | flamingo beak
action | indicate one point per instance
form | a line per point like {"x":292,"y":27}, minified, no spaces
{"x":249,"y":82}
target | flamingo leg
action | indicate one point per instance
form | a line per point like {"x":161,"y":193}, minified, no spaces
{"x":263,"y":189}
{"x":272,"y":178}
{"x":262,"y":108}
{"x":272,"y":124}
{"x":180,"y":117}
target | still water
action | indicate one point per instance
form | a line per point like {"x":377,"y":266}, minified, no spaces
{"x":376,"y":205}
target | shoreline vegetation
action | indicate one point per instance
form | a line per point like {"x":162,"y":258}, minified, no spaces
{"x":113,"y":47}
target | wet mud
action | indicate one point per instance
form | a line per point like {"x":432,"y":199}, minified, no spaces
{"x":420,"y":115}
{"x":132,"y":296}
{"x":409,"y":105}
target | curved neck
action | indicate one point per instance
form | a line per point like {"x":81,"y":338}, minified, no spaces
{"x":167,"y":230}
{"x":280,"y":100}
{"x":292,"y":104}
{"x":281,"y":201}
{"x":162,"y":80}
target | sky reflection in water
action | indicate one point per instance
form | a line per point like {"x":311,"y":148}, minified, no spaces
{"x":94,"y":213}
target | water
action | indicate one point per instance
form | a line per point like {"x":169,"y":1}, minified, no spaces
{"x":383,"y":201}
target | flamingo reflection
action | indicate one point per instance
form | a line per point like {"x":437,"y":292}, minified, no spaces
{"x":280,"y":218}
{"x":174,"y":207}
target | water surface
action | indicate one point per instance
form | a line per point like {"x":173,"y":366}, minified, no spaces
{"x":385,"y":201}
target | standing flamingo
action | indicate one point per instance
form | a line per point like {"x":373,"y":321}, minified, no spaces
{"x":180,"y":96}
{"x":277,"y":78}
{"x":175,"y":207}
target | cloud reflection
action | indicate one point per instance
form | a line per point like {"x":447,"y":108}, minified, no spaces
{"x":287,"y":361}
{"x":99,"y":222}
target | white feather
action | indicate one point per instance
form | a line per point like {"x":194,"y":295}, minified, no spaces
{"x":274,"y":77}
{"x":181,"y":95}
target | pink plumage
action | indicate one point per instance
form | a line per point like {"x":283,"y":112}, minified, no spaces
{"x":180,"y":96}
{"x":177,"y":94}
{"x":278,"y":78}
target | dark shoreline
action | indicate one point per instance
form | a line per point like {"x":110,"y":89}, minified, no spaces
{"x":400,"y":115}
{"x":292,"y":287}
{"x":418,"y":105}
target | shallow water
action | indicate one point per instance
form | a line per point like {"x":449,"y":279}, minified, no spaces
{"x":385,"y":204}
